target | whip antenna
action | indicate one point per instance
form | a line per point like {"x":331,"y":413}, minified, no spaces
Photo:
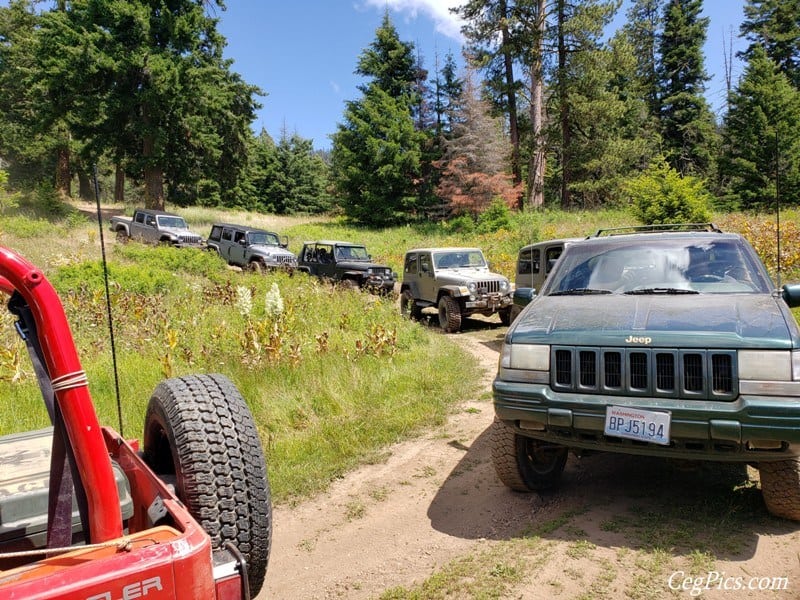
{"x":778,"y":205}
{"x":108,"y":300}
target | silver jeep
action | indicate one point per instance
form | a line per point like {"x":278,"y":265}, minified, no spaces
{"x":457,"y":281}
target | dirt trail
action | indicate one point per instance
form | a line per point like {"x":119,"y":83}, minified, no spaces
{"x":436,"y":499}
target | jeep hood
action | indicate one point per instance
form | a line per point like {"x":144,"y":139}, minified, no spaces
{"x":269,"y":249}
{"x":467,"y":274}
{"x":178,"y":231}
{"x":360,"y":265}
{"x":678,"y":321}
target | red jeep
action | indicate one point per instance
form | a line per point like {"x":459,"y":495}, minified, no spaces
{"x":86,"y":515}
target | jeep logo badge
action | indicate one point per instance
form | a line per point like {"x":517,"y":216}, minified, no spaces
{"x":631,"y":339}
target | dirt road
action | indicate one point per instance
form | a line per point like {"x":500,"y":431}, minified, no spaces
{"x":617,"y":527}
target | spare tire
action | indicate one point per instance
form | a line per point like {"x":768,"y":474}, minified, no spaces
{"x":199,"y":433}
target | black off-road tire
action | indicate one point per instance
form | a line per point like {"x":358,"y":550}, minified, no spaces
{"x":514,"y":313}
{"x":409,"y":308}
{"x":199,"y":432}
{"x":349,"y":284}
{"x":256,"y":266}
{"x":122,"y":237}
{"x":780,"y":486}
{"x":505,"y":316}
{"x":525,"y":464}
{"x":449,"y":314}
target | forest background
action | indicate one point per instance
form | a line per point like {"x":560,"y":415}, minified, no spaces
{"x":551,"y":112}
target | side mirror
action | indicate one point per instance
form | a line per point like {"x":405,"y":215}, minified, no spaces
{"x":523,"y":296}
{"x":791,"y":295}
{"x":284,"y":242}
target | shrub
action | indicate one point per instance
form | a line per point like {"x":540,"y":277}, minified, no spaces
{"x":496,"y":217}
{"x":660,"y":195}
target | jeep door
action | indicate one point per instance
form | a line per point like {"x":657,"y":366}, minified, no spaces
{"x":326,"y":261}
{"x":225,"y":243}
{"x":427,"y":281}
{"x":238,"y":248}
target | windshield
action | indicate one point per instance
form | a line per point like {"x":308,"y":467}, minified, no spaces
{"x":459,"y":259}
{"x":262,"y":237}
{"x":172,"y":222}
{"x":669,"y":266}
{"x":351,"y":253}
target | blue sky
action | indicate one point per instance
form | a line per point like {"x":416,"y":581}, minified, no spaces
{"x":302,"y":53}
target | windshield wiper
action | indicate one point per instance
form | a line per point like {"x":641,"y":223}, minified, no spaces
{"x":579,"y":292}
{"x":658,"y":290}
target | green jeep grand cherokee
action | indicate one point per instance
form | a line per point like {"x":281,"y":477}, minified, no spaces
{"x":654,"y":341}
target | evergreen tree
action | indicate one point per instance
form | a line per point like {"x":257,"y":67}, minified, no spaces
{"x":147,"y":83}
{"x":299,"y":181}
{"x":688,"y":127}
{"x":774,"y":25}
{"x":377,"y":150}
{"x":491,"y":28}
{"x":579,"y":29}
{"x":611,"y":138}
{"x":474,"y":168}
{"x":762,"y":136}
{"x":25,"y":143}
{"x":447,"y":90}
{"x":642,"y":30}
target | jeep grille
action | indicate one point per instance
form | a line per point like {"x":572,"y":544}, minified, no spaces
{"x":673,"y":373}
{"x":488,"y":287}
{"x":285,"y":260}
{"x":189,"y":239}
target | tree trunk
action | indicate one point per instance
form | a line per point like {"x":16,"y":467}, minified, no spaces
{"x":153,"y":180}
{"x":85,"y":190}
{"x":511,"y":99}
{"x":538,"y":159}
{"x":563,"y":109}
{"x":63,"y":178}
{"x":119,"y":185}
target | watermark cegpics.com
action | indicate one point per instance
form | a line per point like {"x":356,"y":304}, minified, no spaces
{"x":715,"y":580}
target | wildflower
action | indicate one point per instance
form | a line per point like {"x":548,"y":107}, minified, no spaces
{"x":244,"y":300}
{"x":273,"y":303}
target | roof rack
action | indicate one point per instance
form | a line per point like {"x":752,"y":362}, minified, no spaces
{"x":660,"y":228}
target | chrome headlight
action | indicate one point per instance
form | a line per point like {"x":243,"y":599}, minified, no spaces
{"x":472,"y":287}
{"x":504,"y":285}
{"x":769,"y":365}
{"x":532,"y":357}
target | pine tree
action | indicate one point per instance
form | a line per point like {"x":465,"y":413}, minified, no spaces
{"x":377,"y":150}
{"x":148,"y":85}
{"x":474,"y":169}
{"x":762,"y":136}
{"x":491,"y":30}
{"x":688,"y":127}
{"x":642,"y":30}
{"x":774,"y":25}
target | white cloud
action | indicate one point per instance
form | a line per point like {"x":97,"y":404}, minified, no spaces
{"x":438,"y":11}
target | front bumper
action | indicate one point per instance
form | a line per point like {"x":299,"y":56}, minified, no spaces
{"x":748,"y":429}
{"x":489,"y":302}
{"x":380,"y":284}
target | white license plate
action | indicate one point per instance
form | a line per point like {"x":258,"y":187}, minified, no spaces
{"x":638,"y":424}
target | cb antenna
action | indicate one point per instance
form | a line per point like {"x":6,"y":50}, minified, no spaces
{"x":778,"y":206}
{"x":108,"y":299}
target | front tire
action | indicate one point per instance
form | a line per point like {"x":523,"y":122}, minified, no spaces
{"x":199,"y":432}
{"x":525,"y":464}
{"x":409,"y":308}
{"x":505,"y":316}
{"x":449,"y":314}
{"x":780,"y":486}
{"x":256,"y":266}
